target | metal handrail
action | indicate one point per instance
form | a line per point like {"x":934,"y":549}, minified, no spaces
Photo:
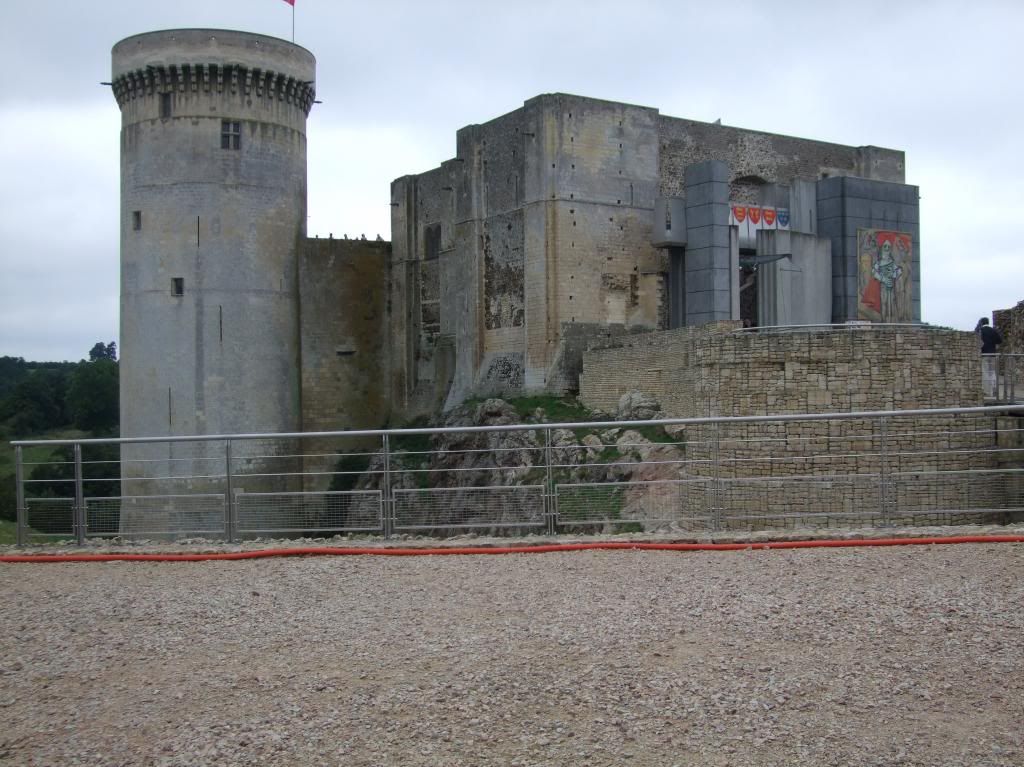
{"x":850,"y":325}
{"x":702,"y":421}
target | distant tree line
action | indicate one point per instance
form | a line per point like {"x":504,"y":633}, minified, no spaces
{"x":38,"y":399}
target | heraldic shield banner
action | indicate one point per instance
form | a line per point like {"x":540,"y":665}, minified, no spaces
{"x":884,"y":262}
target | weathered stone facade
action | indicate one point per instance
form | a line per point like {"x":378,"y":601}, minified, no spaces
{"x":719,"y":370}
{"x":344,"y":334}
{"x":548,"y":233}
{"x":547,"y":227}
{"x":213,"y":215}
{"x":1010,"y":322}
{"x":572,"y":244}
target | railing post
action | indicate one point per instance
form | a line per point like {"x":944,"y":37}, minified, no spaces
{"x":1010,"y":378}
{"x":883,"y":468}
{"x":19,"y":494}
{"x":79,"y":509}
{"x":716,"y":478}
{"x":229,"y":491}
{"x":1000,"y":382}
{"x":386,"y":507}
{"x":550,"y":509}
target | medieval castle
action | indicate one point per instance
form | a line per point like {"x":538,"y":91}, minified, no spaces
{"x":560,"y":227}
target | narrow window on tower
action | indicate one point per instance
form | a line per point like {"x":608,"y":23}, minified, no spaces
{"x":230,"y":135}
{"x":165,"y":105}
{"x":137,"y":220}
{"x":177,"y":286}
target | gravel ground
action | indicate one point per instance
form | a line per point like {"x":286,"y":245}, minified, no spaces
{"x":910,"y":655}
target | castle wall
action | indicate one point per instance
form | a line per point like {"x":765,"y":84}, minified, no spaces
{"x":755,"y":157}
{"x":1010,"y":323}
{"x":423,"y":227}
{"x":344,"y":347}
{"x":709,"y":371}
{"x":344,"y":334}
{"x":543,"y":222}
{"x":716,"y":371}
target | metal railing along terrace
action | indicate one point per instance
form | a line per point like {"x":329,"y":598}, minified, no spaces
{"x":1008,"y":370}
{"x":692,"y":475}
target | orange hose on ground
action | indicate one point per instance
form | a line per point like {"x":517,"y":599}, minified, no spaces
{"x":539,"y":549}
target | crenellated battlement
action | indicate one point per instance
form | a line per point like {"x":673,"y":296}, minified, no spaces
{"x":232,"y":79}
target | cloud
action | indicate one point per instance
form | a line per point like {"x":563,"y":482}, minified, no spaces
{"x":59,"y":231}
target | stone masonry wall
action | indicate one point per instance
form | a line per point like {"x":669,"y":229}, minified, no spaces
{"x":542,"y":221}
{"x":656,"y":363}
{"x":704,"y":371}
{"x":344,"y":329}
{"x":832,"y":468}
{"x":755,"y":157}
{"x":1010,"y":322}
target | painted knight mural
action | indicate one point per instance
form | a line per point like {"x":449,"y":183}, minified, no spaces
{"x":884,"y":276}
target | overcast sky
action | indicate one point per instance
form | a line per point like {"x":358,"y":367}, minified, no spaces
{"x":939,"y":80}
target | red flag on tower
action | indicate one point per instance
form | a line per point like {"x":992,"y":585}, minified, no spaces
{"x":290,"y":2}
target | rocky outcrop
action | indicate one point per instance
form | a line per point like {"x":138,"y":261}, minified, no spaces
{"x":619,"y":459}
{"x":635,"y":405}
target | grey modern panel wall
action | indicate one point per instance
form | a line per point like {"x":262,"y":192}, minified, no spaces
{"x":847,"y":204}
{"x":709,"y":271}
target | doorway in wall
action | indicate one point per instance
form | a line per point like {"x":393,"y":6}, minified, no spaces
{"x":748,"y":287}
{"x":676,"y":288}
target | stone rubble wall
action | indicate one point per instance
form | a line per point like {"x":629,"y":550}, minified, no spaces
{"x":711,"y":370}
{"x":343,"y":319}
{"x":1010,"y":322}
{"x":831,"y":468}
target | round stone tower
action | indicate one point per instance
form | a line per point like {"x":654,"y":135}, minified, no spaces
{"x":213,"y":212}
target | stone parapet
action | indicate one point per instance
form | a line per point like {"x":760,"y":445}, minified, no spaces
{"x":703,"y":371}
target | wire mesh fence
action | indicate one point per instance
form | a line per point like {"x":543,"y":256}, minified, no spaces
{"x":348,"y":511}
{"x":441,"y":509}
{"x":695,"y":476}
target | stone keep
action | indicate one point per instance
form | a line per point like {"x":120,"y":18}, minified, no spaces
{"x":571,"y":221}
{"x":213,"y":212}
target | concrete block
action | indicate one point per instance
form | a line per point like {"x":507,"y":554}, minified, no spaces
{"x":707,"y":215}
{"x":883,"y":211}
{"x":702,"y":302}
{"x":699,"y":258}
{"x":830,"y":187}
{"x":858,"y":207}
{"x":700,"y":280}
{"x":829,"y":208}
{"x":900,"y":194}
{"x":710,"y":192}
{"x":723,"y":303}
{"x":840,"y":265}
{"x":708,"y":237}
{"x":700,"y":318}
{"x":852,"y":223}
{"x":885,"y":191}
{"x":830,"y":228}
{"x":722,"y":280}
{"x":908,"y":213}
{"x":857,"y":187}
